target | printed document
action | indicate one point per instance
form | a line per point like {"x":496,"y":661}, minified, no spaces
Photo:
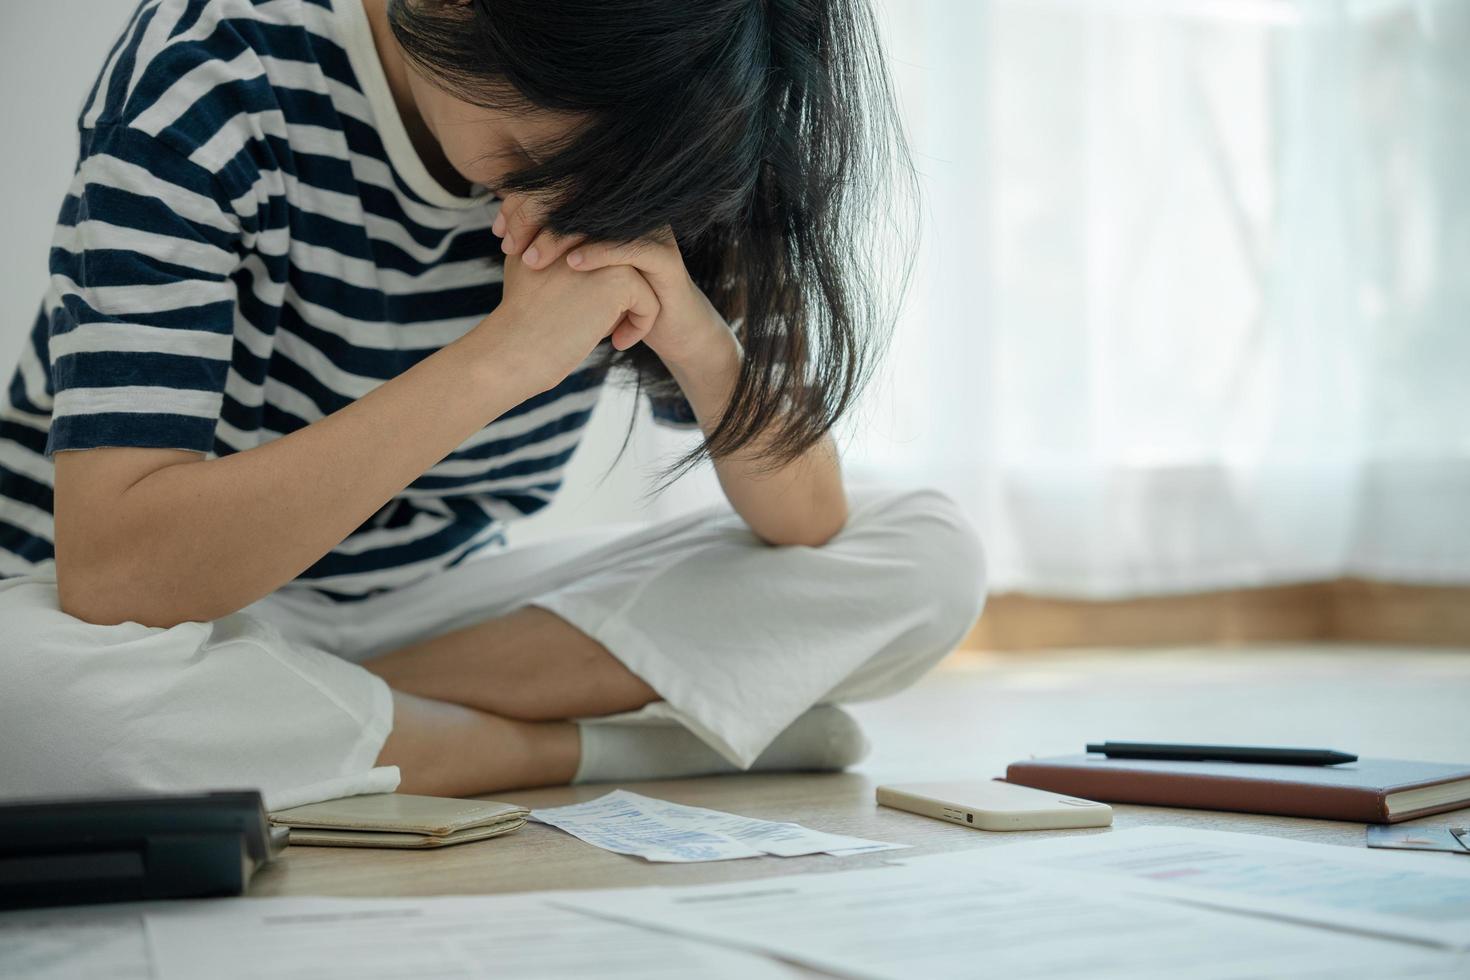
{"x":658,"y":830}
{"x":94,"y":942}
{"x":491,"y":936}
{"x":900,"y":922}
{"x":1423,"y":897}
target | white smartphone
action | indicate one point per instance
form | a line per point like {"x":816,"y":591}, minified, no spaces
{"x":989,"y":804}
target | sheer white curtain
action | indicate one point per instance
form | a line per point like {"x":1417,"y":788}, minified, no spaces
{"x":1192,"y":308}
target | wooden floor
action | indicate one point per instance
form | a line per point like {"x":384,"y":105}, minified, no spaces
{"x":1336,"y":611}
{"x":969,"y":718}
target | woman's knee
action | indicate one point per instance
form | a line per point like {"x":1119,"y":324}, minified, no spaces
{"x":942,"y":552}
{"x":128,"y":708}
{"x":934,"y":586}
{"x":70,"y":704}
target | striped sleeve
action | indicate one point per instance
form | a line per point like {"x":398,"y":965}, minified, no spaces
{"x":673,"y":411}
{"x":142,"y":303}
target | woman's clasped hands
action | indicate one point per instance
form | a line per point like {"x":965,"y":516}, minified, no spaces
{"x":677,"y":330}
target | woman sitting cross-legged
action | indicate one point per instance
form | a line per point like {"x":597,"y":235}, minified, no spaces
{"x":333,"y":292}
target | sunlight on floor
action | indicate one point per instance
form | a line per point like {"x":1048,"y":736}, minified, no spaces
{"x":980,"y":710}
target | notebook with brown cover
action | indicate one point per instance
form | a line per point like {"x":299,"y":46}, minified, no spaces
{"x":1366,"y":791}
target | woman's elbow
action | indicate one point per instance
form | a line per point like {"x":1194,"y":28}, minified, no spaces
{"x":814,"y":531}
{"x":81,"y":596}
{"x":99,"y":597}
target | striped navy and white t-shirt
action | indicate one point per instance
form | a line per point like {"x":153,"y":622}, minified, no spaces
{"x":250,"y":243}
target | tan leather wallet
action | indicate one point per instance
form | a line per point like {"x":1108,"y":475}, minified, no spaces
{"x":399,"y":820}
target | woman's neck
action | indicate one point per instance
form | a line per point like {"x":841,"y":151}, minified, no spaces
{"x":396,"y":70}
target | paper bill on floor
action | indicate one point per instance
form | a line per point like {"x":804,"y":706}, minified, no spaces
{"x":898,"y":922}
{"x":658,"y":830}
{"x":778,"y":838}
{"x":484,"y":936}
{"x":1424,"y":897}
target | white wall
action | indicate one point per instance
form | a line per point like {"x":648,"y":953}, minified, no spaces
{"x":50,"y":53}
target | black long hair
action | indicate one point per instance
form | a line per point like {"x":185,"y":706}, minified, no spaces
{"x":763,"y":132}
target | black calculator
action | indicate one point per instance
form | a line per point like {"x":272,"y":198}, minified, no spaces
{"x":136,"y":848}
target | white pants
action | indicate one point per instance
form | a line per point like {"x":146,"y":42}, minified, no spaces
{"x":738,"y":639}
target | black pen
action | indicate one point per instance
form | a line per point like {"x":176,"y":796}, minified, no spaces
{"x":1220,"y":753}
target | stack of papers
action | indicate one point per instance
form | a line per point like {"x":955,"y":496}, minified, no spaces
{"x":1135,"y":903}
{"x":1414,"y":897}
{"x":1148,"y":903}
{"x":658,"y":830}
{"x":897,"y":923}
{"x":495,"y":937}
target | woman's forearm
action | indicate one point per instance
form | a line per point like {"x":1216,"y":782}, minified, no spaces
{"x":800,"y":503}
{"x":200,"y":539}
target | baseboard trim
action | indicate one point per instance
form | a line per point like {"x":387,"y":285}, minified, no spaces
{"x":1342,"y":610}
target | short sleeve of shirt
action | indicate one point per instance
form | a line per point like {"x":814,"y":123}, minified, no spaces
{"x":673,"y":411}
{"x":142,"y":307}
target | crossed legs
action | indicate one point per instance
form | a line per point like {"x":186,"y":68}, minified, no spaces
{"x":484,"y":708}
{"x":478,"y":671}
{"x":716,"y":620}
